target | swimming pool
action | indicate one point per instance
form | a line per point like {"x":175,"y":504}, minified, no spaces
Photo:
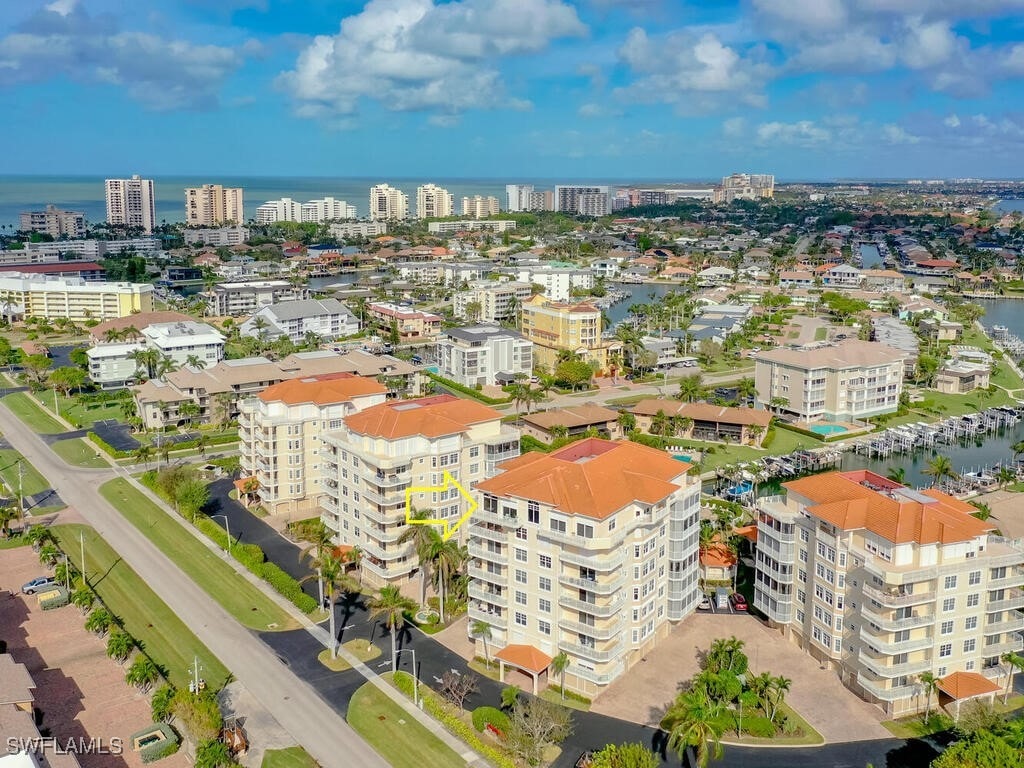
{"x":828,"y":429}
{"x":683,"y":457}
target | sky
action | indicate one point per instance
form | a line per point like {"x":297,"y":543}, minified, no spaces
{"x":516,"y":89}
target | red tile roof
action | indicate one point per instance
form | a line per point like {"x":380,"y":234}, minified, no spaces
{"x":322,"y":390}
{"x":965,"y":685}
{"x":428,"y":416}
{"x":524,"y":657}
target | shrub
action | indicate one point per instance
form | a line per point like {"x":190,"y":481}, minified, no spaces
{"x":54,"y":598}
{"x":198,"y":713}
{"x":484,"y":716}
{"x":158,"y":749}
{"x":454,"y":385}
{"x":161,"y":703}
{"x":107,"y":447}
{"x":572,"y":694}
{"x":760,"y":727}
{"x":99,"y":621}
{"x":288,"y":587}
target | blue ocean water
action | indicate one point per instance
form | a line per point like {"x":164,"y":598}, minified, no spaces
{"x":1009,"y":205}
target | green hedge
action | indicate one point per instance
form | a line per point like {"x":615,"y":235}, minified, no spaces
{"x":449,"y":384}
{"x":158,"y":749}
{"x":58,"y":600}
{"x":107,"y":447}
{"x":442,"y":712}
{"x":760,"y":727}
{"x":484,"y":716}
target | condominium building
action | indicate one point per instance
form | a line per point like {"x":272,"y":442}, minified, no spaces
{"x":442,"y":272}
{"x":883,"y":583}
{"x":112,"y":365}
{"x":542,"y":201}
{"x":479,"y":207}
{"x":54,"y":222}
{"x":218,"y":389}
{"x":558,"y":284}
{"x":832,"y":382}
{"x":327,"y":209}
{"x":570,"y":198}
{"x":433,"y":202}
{"x":554,"y":327}
{"x":359,"y":229}
{"x":469,"y":225}
{"x":745,"y":186}
{"x":591,"y":551}
{"x":329,"y":319}
{"x":377,"y":454}
{"x":248,"y":297}
{"x":284,"y":209}
{"x":490,"y":302}
{"x":388,"y":203}
{"x":88,"y":249}
{"x":217,"y":237}
{"x":517,"y":197}
{"x":70,"y":297}
{"x":483,"y":355}
{"x":411,"y":324}
{"x":131,"y":203}
{"x":212,"y":205}
{"x":281,"y":428}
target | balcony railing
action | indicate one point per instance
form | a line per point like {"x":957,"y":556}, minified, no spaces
{"x":479,"y":611}
{"x":483,"y":532}
{"x":895,"y":646}
{"x":879,"y":691}
{"x":594,"y":654}
{"x":606,"y":609}
{"x":603,"y":632}
{"x":480,"y":592}
{"x":597,"y":587}
{"x":882,"y":669}
{"x":1015,"y":624}
{"x":894,"y":625}
{"x":483,"y":574}
{"x":604,"y":562}
{"x":479,"y":550}
{"x":998,"y":649}
{"x":1015,"y":579}
{"x":1006,"y":604}
{"x":897,"y":600}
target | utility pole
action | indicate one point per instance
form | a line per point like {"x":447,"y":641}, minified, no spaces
{"x":21,"y":498}
{"x":81,"y":541}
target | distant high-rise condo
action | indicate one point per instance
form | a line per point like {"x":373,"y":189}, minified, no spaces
{"x":284,"y":209}
{"x":212,"y":205}
{"x":327,"y":209}
{"x":518,"y":197}
{"x":433,"y":202}
{"x":478,"y":207}
{"x":745,"y":186}
{"x":54,"y":222}
{"x":386,"y":202}
{"x":542,"y":201}
{"x":131,"y":203}
{"x":583,"y":200}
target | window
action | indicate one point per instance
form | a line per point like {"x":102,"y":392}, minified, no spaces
{"x":946,"y":628}
{"x":971,"y":622}
{"x":974,"y":578}
{"x":544,"y":583}
{"x":544,"y":627}
{"x":520,"y":619}
{"x":950,"y":582}
{"x":521,"y":534}
{"x":946,"y":649}
{"x":585,"y":530}
{"x":532,"y":512}
{"x":804,"y":535}
{"x":557,"y":525}
{"x":972,"y":600}
{"x":545,"y":561}
{"x":474,"y":451}
{"x":544,"y":605}
{"x":520,"y":576}
{"x":949,"y":605}
{"x":969,"y":645}
{"x":520,"y":597}
{"x":520,"y":554}
{"x":969,"y":666}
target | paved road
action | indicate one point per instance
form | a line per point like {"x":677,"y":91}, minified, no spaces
{"x":305,"y":715}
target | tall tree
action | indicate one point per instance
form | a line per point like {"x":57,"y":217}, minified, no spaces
{"x":930,"y":683}
{"x":481,"y":630}
{"x":559,"y":665}
{"x":391,"y":605}
{"x":695,"y":721}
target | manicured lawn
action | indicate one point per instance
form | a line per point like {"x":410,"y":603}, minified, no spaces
{"x":362,"y":650}
{"x":205,"y":567}
{"x":1006,"y":378}
{"x":72,"y":409}
{"x":820,"y":334}
{"x":26,"y":409}
{"x":31,"y":481}
{"x":146,"y":617}
{"x":293,"y":757}
{"x":808,"y":736}
{"x":395,"y":734}
{"x":958,"y":405}
{"x":915,"y":727}
{"x":79,"y":453}
{"x":786,"y":441}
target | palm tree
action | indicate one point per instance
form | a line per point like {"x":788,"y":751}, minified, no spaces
{"x":481,"y":630}
{"x":693,"y":721}
{"x":510,"y":696}
{"x":422,"y":537}
{"x":391,"y":605}
{"x":330,"y":575}
{"x":897,"y":475}
{"x":1017,"y":448}
{"x":930,"y":683}
{"x":691,"y":388}
{"x":142,"y":673}
{"x":940,"y":468}
{"x":780,"y":685}
{"x":446,"y":557}
{"x":321,"y":545}
{"x":189,"y":410}
{"x":982,"y":510}
{"x":120,"y":645}
{"x":194,"y":361}
{"x":223,"y":403}
{"x":99,"y":621}
{"x":1015,"y":664}
{"x":146,"y":362}
{"x":1005,"y":476}
{"x":144,"y":454}
{"x":559,"y":665}
{"x":213,"y":753}
{"x":7,"y":516}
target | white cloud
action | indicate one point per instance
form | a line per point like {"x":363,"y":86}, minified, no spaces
{"x":952,"y":122}
{"x":734,"y":127}
{"x":417,"y":55}
{"x":802,"y":133}
{"x":63,"y":39}
{"x":895,"y":134}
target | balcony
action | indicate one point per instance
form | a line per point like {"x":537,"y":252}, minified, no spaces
{"x":1012,"y":602}
{"x":490,"y":534}
{"x":479,"y":611}
{"x":895,"y":625}
{"x":476,"y":549}
{"x":1015,"y":624}
{"x":597,"y":609}
{"x":1015,"y":579}
{"x":1006,"y":646}
{"x":480,"y":592}
{"x":603,"y":562}
{"x":390,"y":481}
{"x":879,"y":691}
{"x":898,"y":600}
{"x":484,"y":574}
{"x":597,"y":587}
{"x":879,"y":666}
{"x":895,"y":646}
{"x":497,"y":518}
{"x":586,"y":652}
{"x":384,"y":500}
{"x":601,"y":632}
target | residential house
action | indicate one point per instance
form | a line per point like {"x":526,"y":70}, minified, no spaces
{"x":576,"y":420}
{"x":248,"y":297}
{"x":960,"y":377}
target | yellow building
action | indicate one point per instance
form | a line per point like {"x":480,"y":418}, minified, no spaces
{"x":554,"y":327}
{"x":71,"y":298}
{"x":212,"y":205}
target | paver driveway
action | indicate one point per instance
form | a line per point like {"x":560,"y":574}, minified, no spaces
{"x":643,"y":694}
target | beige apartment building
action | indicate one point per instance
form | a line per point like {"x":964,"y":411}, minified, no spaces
{"x":131,"y":203}
{"x":213,"y":205}
{"x":377,"y":454}
{"x":883,"y":583}
{"x":280,"y":431}
{"x":43,"y":296}
{"x":555,"y":326}
{"x":590,"y":550}
{"x":841,"y":382}
{"x":433,"y":202}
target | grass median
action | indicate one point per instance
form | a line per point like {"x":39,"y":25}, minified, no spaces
{"x":165,"y":637}
{"x":26,"y":409}
{"x":206,"y":568}
{"x":395,"y":734}
{"x":292,"y":757}
{"x":79,"y":453}
{"x":31,"y":481}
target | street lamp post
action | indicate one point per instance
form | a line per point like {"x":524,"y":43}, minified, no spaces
{"x":415,"y":679}
{"x":227,"y":530}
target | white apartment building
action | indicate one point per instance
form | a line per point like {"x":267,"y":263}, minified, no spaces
{"x":212,"y":205}
{"x":479,"y":207}
{"x":111,"y":365}
{"x":73,"y":298}
{"x":281,"y":428}
{"x":569,"y":198}
{"x":558,"y":283}
{"x":468,"y":225}
{"x":883,"y":583}
{"x":442,"y":272}
{"x":327,"y":318}
{"x":246,"y":298}
{"x":89,"y":250}
{"x":53,"y":221}
{"x":221,"y":236}
{"x":359,"y":229}
{"x":388,"y":203}
{"x":832,"y":382}
{"x":376,"y":454}
{"x":484,"y":355}
{"x":326,"y":209}
{"x":590,"y":550}
{"x":497,"y":301}
{"x":517,"y":197}
{"x":284,"y":209}
{"x":433,"y":202}
{"x":131,"y":203}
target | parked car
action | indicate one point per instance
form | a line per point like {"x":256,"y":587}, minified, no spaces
{"x":739,"y":602}
{"x":704,"y":604}
{"x":37,"y":584}
{"x":416,"y":359}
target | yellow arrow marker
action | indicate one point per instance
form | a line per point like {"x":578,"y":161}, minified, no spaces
{"x":448,"y":529}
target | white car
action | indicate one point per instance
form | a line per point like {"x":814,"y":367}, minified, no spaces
{"x":37,"y":584}
{"x":704,"y":604}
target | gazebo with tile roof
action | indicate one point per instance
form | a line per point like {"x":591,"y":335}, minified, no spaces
{"x":964,"y":686}
{"x":527,"y":658}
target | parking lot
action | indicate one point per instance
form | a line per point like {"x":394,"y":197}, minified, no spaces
{"x":644,"y":693}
